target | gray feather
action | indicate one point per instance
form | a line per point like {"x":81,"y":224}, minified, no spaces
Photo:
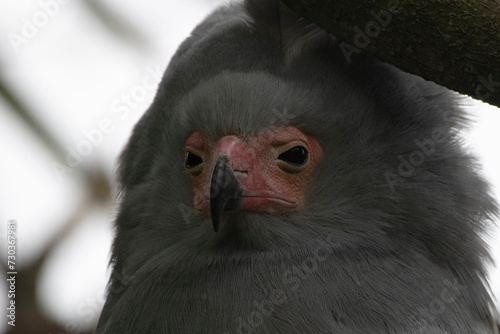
{"x":378,"y":249}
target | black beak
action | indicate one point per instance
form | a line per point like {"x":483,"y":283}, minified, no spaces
{"x":225,"y":190}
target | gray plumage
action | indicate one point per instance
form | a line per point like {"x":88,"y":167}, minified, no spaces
{"x":390,"y":239}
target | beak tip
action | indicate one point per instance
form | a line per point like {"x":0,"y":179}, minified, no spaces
{"x":215,"y":223}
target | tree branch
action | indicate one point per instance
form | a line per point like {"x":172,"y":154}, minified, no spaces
{"x":455,"y":43}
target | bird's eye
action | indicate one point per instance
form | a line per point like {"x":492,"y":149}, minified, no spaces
{"x":293,"y":160}
{"x":296,"y":156}
{"x":192,"y":160}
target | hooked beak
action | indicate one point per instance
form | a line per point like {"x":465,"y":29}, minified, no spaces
{"x":225,"y":190}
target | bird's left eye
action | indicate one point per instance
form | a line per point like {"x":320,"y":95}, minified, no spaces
{"x":293,"y":160}
{"x":296,"y":156}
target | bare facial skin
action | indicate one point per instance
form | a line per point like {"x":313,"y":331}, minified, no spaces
{"x":273,"y":167}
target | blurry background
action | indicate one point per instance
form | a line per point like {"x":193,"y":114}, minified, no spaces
{"x":75,"y":76}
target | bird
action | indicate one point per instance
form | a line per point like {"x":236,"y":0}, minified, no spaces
{"x":274,"y":187}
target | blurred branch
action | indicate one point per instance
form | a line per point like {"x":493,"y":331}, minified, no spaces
{"x":27,"y":116}
{"x":38,"y":129}
{"x":118,"y":25}
{"x":98,"y":188}
{"x":30,"y":318}
{"x":98,"y":193}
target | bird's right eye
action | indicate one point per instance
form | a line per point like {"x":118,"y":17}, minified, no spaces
{"x":192,"y":160}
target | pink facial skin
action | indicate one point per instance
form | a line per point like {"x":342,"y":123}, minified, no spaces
{"x":271,"y":186}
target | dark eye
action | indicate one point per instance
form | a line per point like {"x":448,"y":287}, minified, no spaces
{"x":296,"y":156}
{"x":192,"y":160}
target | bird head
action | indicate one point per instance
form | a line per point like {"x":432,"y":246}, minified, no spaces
{"x":262,"y":131}
{"x":248,"y":153}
